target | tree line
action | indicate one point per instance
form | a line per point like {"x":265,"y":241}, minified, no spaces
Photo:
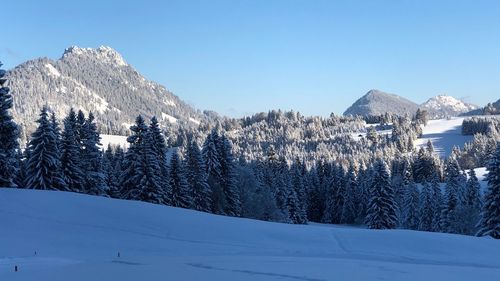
{"x":411,"y":190}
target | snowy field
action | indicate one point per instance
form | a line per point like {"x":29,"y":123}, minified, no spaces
{"x":444,"y":134}
{"x":78,"y":237}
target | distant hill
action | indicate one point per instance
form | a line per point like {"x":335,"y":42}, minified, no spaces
{"x":376,"y":102}
{"x":443,"y":106}
{"x":490,"y":109}
{"x":97,"y":80}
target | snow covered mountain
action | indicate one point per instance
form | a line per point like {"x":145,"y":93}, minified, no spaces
{"x":489,"y":109}
{"x":376,"y":102}
{"x":97,"y":80}
{"x":443,"y":106}
{"x":78,"y":237}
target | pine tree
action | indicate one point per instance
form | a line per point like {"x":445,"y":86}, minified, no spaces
{"x":70,"y":155}
{"x":314,"y":197}
{"x":335,"y":197}
{"x":179,"y":190}
{"x":118,"y":170}
{"x":426,"y":208}
{"x":198,"y":179}
{"x":147,"y":173}
{"x":110,"y":177}
{"x":160,"y":149}
{"x":297,"y":182}
{"x":490,"y":216}
{"x":472,"y":194}
{"x":381,"y":212}
{"x":213,"y":167}
{"x":20,"y":179}
{"x":9,"y":134}
{"x":132,"y":160}
{"x":293,"y":207}
{"x":142,"y":167}
{"x":469,"y":209}
{"x":43,"y":166}
{"x":349,"y":211}
{"x":228,"y":179}
{"x":91,"y":158}
{"x":449,"y":217}
{"x":411,"y":213}
{"x":437,"y":198}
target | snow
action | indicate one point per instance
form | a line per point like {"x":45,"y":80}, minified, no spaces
{"x":104,"y":54}
{"x":169,"y":102}
{"x":447,"y":102}
{"x":114,"y":140}
{"x":169,"y":118}
{"x":77,"y":237}
{"x":194,"y":120}
{"x":52,"y":70}
{"x":444,"y":134}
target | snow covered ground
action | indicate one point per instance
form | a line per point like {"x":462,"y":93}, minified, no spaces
{"x":444,"y":134}
{"x":78,"y":237}
{"x":114,"y":140}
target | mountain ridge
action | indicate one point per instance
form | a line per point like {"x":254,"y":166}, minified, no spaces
{"x":376,"y":102}
{"x":97,"y":80}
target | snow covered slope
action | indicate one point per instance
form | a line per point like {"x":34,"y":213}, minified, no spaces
{"x":77,"y":237}
{"x":443,"y":106}
{"x":444,"y":134}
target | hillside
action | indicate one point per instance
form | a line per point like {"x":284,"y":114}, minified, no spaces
{"x":444,"y":134}
{"x":376,"y":102}
{"x":77,"y":237}
{"x":97,"y":80}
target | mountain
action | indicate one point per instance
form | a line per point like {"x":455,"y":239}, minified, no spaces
{"x":376,"y":102}
{"x":97,"y":80}
{"x":490,"y":109}
{"x":443,"y":106}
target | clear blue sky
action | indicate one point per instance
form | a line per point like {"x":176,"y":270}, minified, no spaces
{"x":240,"y":57}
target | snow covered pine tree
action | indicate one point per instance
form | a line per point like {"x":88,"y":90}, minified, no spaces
{"x":490,"y":220}
{"x":8,"y":136}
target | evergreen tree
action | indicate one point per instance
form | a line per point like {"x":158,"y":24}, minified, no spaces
{"x":132,"y":160}
{"x":298,"y":185}
{"x":142,"y":167}
{"x":118,"y":170}
{"x":20,"y":179}
{"x":437,"y":198}
{"x":160,"y":149}
{"x":472,"y":194}
{"x":349,"y":211}
{"x":381,"y":212}
{"x":490,"y":216}
{"x":197,"y":179}
{"x":43,"y":166}
{"x":110,"y":177}
{"x":213,"y":167}
{"x":335,"y":197}
{"x":411,"y":213}
{"x":9,"y":134}
{"x":228,"y":179}
{"x":91,"y":158}
{"x":449,"y":217}
{"x":426,"y":208}
{"x":70,"y":155}
{"x":314,"y":197}
{"x":179,"y":190}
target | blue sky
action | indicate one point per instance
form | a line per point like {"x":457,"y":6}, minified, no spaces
{"x":240,"y":57}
